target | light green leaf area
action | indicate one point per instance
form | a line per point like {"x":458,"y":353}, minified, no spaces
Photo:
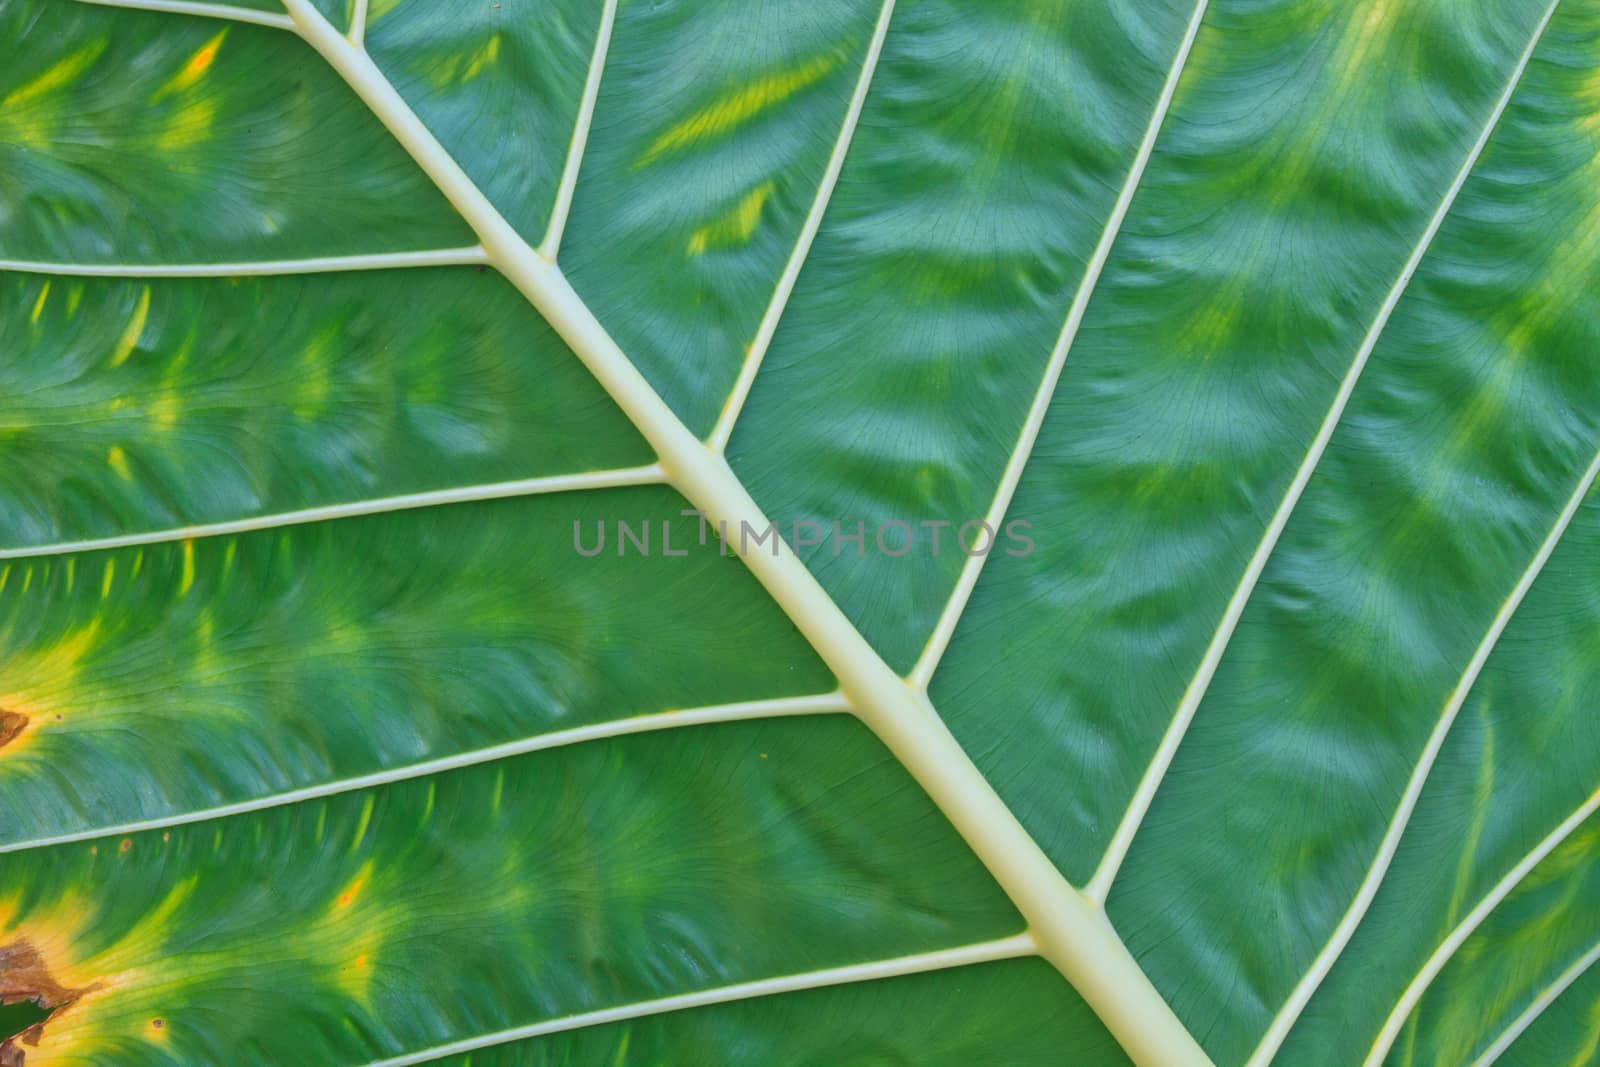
{"x":371,"y":691}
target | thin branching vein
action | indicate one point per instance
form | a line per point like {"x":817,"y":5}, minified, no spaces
{"x":1008,"y":948}
{"x":650,"y":474}
{"x":944,"y":629}
{"x":768,"y":326}
{"x":441,"y":257}
{"x":358,"y":23}
{"x":213,"y":11}
{"x":550,"y":247}
{"x":744,"y":711}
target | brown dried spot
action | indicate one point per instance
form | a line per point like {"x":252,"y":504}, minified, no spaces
{"x":24,"y":976}
{"x":11,"y":1054}
{"x":12,"y":723}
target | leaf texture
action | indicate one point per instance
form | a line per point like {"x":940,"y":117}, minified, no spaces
{"x":323,"y":739}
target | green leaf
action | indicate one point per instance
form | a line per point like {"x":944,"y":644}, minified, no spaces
{"x":372,"y":692}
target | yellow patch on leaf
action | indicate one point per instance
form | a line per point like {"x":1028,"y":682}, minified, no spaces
{"x":1591,"y":95}
{"x":463,"y":68}
{"x":741,"y":105}
{"x":117,"y":460}
{"x":314,"y":386}
{"x":352,"y":890}
{"x":46,"y":700}
{"x":482,"y":59}
{"x":350,"y":934}
{"x":737,"y":226}
{"x":186,"y":583}
{"x":365,"y":821}
{"x":1367,"y":33}
{"x":58,"y":75}
{"x":164,"y":410}
{"x":192,"y":70}
{"x":133,"y":330}
{"x":189,"y":126}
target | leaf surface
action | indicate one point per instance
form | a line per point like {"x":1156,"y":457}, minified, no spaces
{"x":324,"y":738}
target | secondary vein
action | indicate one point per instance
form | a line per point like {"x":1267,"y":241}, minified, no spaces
{"x":942,"y":959}
{"x":802,"y":247}
{"x":944,"y":629}
{"x":441,"y":257}
{"x":555,"y":483}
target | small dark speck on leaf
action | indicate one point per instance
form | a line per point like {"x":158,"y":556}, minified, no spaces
{"x":158,"y":1023}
